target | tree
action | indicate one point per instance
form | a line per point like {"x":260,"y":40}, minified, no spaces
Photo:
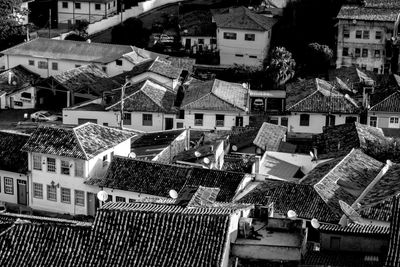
{"x":74,"y":37}
{"x":319,"y":57}
{"x":281,"y":66}
{"x":11,"y":31}
{"x":81,"y":28}
{"x":131,"y":32}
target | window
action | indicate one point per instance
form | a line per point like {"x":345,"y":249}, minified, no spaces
{"x":118,"y":62}
{"x":357,"y":52}
{"x":366,"y":35}
{"x":97,"y":6}
{"x":79,"y":198}
{"x":79,"y":168}
{"x":330,"y":120}
{"x":37,"y":162}
{"x":120,"y":199}
{"x":65,"y":167}
{"x":77,"y":65}
{"x":252,"y":56}
{"x":198,"y":119}
{"x":104,"y":69}
{"x":132,"y":200}
{"x":42,"y":65}
{"x":105,"y":123}
{"x":37,"y":190}
{"x":365,"y":52}
{"x":105,"y":160}
{"x":377,"y":53}
{"x":346,"y":33}
{"x":345,"y":51}
{"x":110,"y":198}
{"x":201,"y":41}
{"x":127,"y":118}
{"x":378,"y":35}
{"x":78,"y":5}
{"x":394,"y":122}
{"x":304,"y":119}
{"x":54,"y":66}
{"x":65,"y":195}
{"x":64,"y":4}
{"x":358,"y":34}
{"x":8,"y":185}
{"x":179,"y":125}
{"x":109,"y":5}
{"x":51,"y":164}
{"x":181,"y":114}
{"x":373,"y":121}
{"x":84,"y":120}
{"x":230,"y":35}
{"x":238,"y":55}
{"x":113,"y":3}
{"x":31,"y":63}
{"x":351,"y":119}
{"x":363,"y":67}
{"x":51,"y":193}
{"x":147,"y":119}
{"x":284,"y":121}
{"x":249,"y":37}
{"x":26,"y":95}
{"x":219,"y":120}
{"x":335,"y":242}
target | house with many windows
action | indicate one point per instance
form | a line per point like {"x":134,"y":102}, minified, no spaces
{"x":61,"y":159}
{"x":215,"y":104}
{"x":72,"y":12}
{"x":243,"y":37}
{"x":364,"y":33}
{"x":14,"y":174}
{"x":386,"y":114}
{"x":147,"y":106}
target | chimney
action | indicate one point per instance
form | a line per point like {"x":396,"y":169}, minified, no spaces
{"x":10,"y":78}
{"x":257,"y":165}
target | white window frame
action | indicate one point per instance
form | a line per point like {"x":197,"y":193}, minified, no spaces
{"x":51,"y":191}
{"x":37,"y":162}
{"x":9,"y":185}
{"x":65,"y":195}
{"x":50,"y":167}
{"x":394,"y":122}
{"x":38,"y":190}
{"x":375,"y":120}
{"x":79,"y":198}
{"x":120,"y":199}
{"x":220,"y":123}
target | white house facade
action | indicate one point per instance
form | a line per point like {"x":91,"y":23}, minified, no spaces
{"x":386,"y":114}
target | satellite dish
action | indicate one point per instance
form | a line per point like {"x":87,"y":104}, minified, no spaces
{"x":311,"y":154}
{"x":206,"y":160}
{"x":132,"y":155}
{"x":234,"y":148}
{"x":197,"y":154}
{"x":315,"y":223}
{"x":173,"y":194}
{"x":102,"y":196}
{"x":292,"y":214}
{"x":258,"y":151}
{"x":350,"y":212}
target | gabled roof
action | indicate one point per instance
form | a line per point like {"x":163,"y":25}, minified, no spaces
{"x":278,"y":168}
{"x":342,"y":258}
{"x":325,"y":99}
{"x":82,"y":142}
{"x":381,"y":211}
{"x":316,"y":174}
{"x":244,"y":19}
{"x":368,"y":13}
{"x":348,"y":179}
{"x":146,"y":96}
{"x":20,"y":78}
{"x":69,"y":50}
{"x":270,"y":136}
{"x":83,"y":79}
{"x":287,"y":196}
{"x":238,"y":162}
{"x":216,"y":95}
{"x":393,"y":258}
{"x":243,"y":136}
{"x":12,"y":159}
{"x":157,"y":179}
{"x":352,"y":76}
{"x":355,"y":229}
{"x":389,"y":104}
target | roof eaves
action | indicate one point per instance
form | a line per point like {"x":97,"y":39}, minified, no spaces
{"x":79,"y":142}
{"x":372,"y":108}
{"x":129,"y":96}
{"x":298,"y":103}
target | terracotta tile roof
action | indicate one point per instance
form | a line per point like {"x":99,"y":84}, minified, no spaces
{"x":238,"y":163}
{"x":303,"y":200}
{"x":393,"y":256}
{"x":243,"y":136}
{"x":353,"y":77}
{"x":243,"y":18}
{"x":270,"y":136}
{"x":381,"y":211}
{"x":197,"y":23}
{"x":69,"y":50}
{"x":87,"y":77}
{"x":348,"y":179}
{"x":382,"y":3}
{"x":386,"y":187}
{"x":353,"y":228}
{"x":42,"y":245}
{"x":157,"y":179}
{"x":389,"y":104}
{"x":20,"y":78}
{"x":11,"y":157}
{"x":145,"y":96}
{"x":368,"y":13}
{"x":83,"y":142}
{"x":316,"y":174}
{"x":342,"y":259}
{"x":156,"y":138}
{"x":216,"y":95}
{"x":12,"y":217}
{"x":324,"y":99}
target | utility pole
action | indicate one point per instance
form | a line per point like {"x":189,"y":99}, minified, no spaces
{"x":49,"y":23}
{"x":122,"y":102}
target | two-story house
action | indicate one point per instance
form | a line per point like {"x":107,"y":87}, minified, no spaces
{"x":71,"y":12}
{"x":48,"y":57}
{"x":147,"y":106}
{"x":14,"y":174}
{"x":215,"y":104}
{"x":61,"y":159}
{"x":363,"y":35}
{"x":243,"y":37}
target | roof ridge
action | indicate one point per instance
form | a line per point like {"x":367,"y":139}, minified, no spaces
{"x":212,"y":92}
{"x":119,"y":101}
{"x":79,"y":141}
{"x":151,"y":99}
{"x":397,"y":92}
{"x":153,"y":162}
{"x":303,"y":99}
{"x":248,"y":13}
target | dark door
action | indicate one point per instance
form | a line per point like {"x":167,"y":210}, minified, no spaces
{"x":93,"y":204}
{"x":330,"y":120}
{"x":188,"y":45}
{"x":169,"y":123}
{"x":239,"y":121}
{"x":21,"y":192}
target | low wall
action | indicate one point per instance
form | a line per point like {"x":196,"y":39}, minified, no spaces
{"x":129,"y":13}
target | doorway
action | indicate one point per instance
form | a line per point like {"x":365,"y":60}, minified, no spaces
{"x":21,"y":190}
{"x":169,"y":123}
{"x":93,"y":204}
